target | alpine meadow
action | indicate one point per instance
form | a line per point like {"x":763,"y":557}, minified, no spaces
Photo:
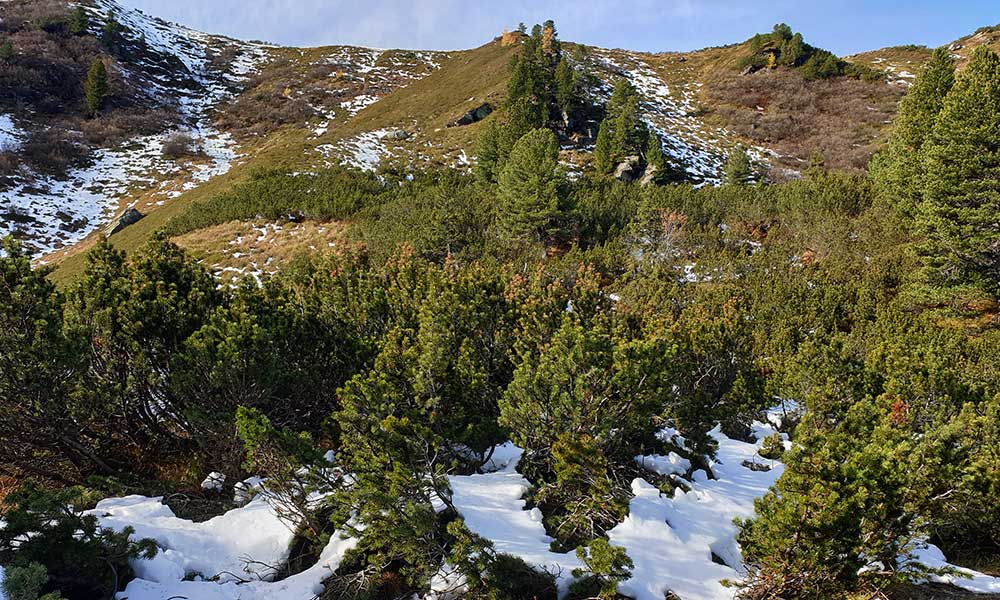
{"x":537,"y":320}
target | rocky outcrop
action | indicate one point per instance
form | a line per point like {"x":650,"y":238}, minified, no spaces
{"x":129,"y":217}
{"x":476,"y":114}
{"x":629,"y":169}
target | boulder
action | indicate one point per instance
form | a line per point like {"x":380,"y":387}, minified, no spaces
{"x":129,"y":217}
{"x":476,"y":114}
{"x":649,"y":176}
{"x":629,"y":169}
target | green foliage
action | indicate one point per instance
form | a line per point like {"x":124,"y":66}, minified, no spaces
{"x":63,"y":552}
{"x":898,"y":169}
{"x":738,"y":169}
{"x":783,"y":47}
{"x":542,"y":92}
{"x":961,"y":190}
{"x":566,"y":81}
{"x":95,"y":88}
{"x":79,"y":21}
{"x":772,"y":447}
{"x":39,"y":364}
{"x":606,"y":566}
{"x":26,"y":583}
{"x":333,"y":194}
{"x":529,"y":188}
{"x":112,"y":31}
{"x":622,"y":132}
{"x":6,"y":50}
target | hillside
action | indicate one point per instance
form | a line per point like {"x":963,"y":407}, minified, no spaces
{"x":534,"y":320}
{"x":234,"y":106}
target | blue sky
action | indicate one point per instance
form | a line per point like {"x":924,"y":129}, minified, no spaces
{"x":843,"y":26}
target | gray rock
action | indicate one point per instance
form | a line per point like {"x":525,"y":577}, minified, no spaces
{"x":628,"y":169}
{"x":475,"y":115}
{"x":648,"y":176}
{"x":129,"y":217}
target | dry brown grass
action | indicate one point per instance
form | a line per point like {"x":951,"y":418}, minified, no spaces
{"x":844,"y":119}
{"x":241,"y":247}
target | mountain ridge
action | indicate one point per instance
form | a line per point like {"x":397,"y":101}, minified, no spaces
{"x":249,"y":104}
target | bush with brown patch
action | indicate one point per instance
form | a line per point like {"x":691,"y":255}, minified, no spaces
{"x":841,"y":118}
{"x":180,"y":145}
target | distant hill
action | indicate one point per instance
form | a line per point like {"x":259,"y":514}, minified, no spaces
{"x":189,"y":114}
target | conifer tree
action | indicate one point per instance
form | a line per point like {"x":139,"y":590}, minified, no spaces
{"x":738,"y":170}
{"x":6,"y":50}
{"x":96,"y":86}
{"x":565,"y":88}
{"x":622,"y":131}
{"x":898,"y":170}
{"x":112,"y":30}
{"x":961,"y":160}
{"x":79,"y":21}
{"x":603,"y":150}
{"x":530,"y":186}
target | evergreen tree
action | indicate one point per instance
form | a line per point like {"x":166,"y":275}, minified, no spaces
{"x":529,"y":187}
{"x":622,"y":131}
{"x":565,"y":88}
{"x":112,"y":31}
{"x":606,"y":567}
{"x":961,"y":160}
{"x":738,"y":170}
{"x":898,"y":169}
{"x":95,"y":88}
{"x":793,"y":51}
{"x":6,"y":50}
{"x":40,"y":367}
{"x":79,"y":21}
{"x":603,"y":150}
{"x":656,"y":161}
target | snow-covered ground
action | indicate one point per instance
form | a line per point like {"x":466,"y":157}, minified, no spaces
{"x":231,"y":557}
{"x":50,"y":213}
{"x":11,"y":135}
{"x":670,"y":112}
{"x":364,"y":151}
{"x":684,"y":543}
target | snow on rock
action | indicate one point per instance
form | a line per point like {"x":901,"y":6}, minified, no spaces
{"x":248,"y":542}
{"x":492,"y":505}
{"x":303,"y":586}
{"x":671,"y":464}
{"x":2,"y":595}
{"x":214,"y":482}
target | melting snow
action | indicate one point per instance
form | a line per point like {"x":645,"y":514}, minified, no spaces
{"x":11,"y":135}
{"x":231,"y":557}
{"x":674,"y":542}
{"x":364,"y":151}
{"x":50,"y":213}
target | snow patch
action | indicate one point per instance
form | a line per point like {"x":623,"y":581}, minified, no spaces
{"x":231,"y":557}
{"x":11,"y":136}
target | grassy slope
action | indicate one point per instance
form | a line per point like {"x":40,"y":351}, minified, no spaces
{"x":463,"y":81}
{"x":471,"y":77}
